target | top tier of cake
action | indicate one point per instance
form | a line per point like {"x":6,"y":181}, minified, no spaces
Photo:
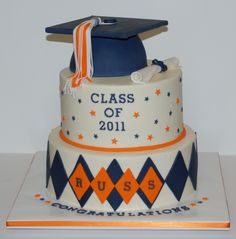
{"x":114,"y":114}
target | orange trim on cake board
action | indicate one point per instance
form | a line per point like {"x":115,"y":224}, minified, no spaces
{"x":125,"y":224}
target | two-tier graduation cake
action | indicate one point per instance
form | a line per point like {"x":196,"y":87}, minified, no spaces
{"x":122,"y":144}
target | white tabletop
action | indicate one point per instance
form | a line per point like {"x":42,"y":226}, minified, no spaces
{"x":13,"y":168}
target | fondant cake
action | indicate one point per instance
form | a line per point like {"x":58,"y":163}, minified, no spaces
{"x":122,"y":144}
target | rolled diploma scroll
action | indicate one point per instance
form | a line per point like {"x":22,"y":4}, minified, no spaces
{"x":145,"y":74}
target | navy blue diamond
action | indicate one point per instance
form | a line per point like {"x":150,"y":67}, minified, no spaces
{"x":89,"y":191}
{"x":47,"y":166}
{"x":193,"y":167}
{"x":148,"y":164}
{"x":86,"y":197}
{"x":177,"y":176}
{"x":58,"y":175}
{"x":114,"y":199}
{"x":115,"y":172}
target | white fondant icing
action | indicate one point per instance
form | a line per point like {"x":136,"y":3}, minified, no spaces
{"x":117,"y":113}
{"x":163,"y":160}
{"x":165,"y":198}
{"x":187,"y":193}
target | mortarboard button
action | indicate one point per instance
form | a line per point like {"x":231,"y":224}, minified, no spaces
{"x":116,"y":47}
{"x":110,"y":20}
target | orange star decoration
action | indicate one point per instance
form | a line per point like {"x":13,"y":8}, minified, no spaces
{"x":177,"y":100}
{"x":136,"y":115}
{"x":150,"y":137}
{"x":114,"y":141}
{"x":167,"y":128}
{"x":63,"y":119}
{"x":93,"y":113}
{"x":80,"y":136}
{"x":158,"y":92}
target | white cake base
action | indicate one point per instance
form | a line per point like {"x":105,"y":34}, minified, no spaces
{"x":208,"y":211}
{"x":129,"y":181}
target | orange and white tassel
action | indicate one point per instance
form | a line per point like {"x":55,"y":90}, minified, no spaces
{"x":83,"y":55}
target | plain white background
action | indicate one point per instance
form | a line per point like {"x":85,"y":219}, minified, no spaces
{"x":201,"y":33}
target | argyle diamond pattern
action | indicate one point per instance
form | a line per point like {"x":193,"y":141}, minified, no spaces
{"x":115,"y":172}
{"x":115,"y":186}
{"x":81,"y":194}
{"x":47,"y":165}
{"x":127,"y":186}
{"x":141,"y":192}
{"x":177,"y":176}
{"x":102,"y":185}
{"x":193,"y":167}
{"x":58,"y":175}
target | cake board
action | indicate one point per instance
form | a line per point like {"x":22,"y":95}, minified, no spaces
{"x":207,"y":210}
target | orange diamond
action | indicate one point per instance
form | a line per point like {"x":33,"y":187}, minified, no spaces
{"x":102,"y":185}
{"x":79,"y":181}
{"x":127,"y":186}
{"x":151,"y":185}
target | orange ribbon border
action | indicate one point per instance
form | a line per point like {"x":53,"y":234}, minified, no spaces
{"x":130,"y":149}
{"x":125,"y":224}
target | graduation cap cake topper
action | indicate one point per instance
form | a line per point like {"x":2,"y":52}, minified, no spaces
{"x":107,"y":46}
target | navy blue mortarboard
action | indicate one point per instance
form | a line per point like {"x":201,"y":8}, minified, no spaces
{"x":116,"y":47}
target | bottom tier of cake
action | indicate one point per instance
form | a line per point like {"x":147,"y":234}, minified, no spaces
{"x":121,"y":181}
